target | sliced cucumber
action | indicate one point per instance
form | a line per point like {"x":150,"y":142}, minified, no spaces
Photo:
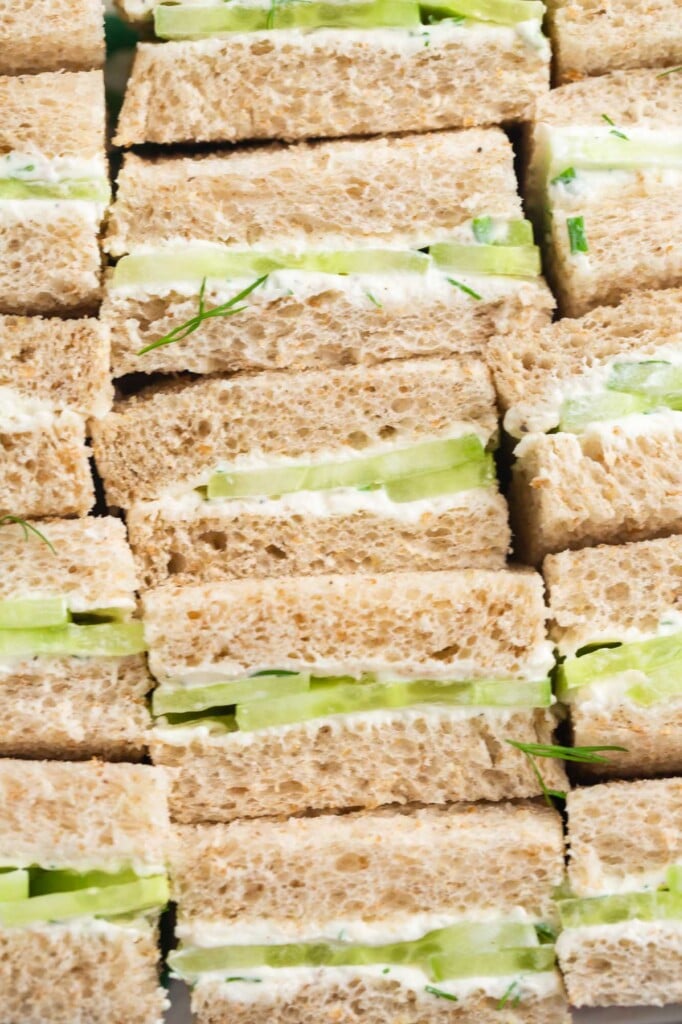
{"x":506,"y":961}
{"x":675,"y":878}
{"x":659,"y":905}
{"x":178,"y":700}
{"x":14,"y":885}
{"x":500,"y":260}
{"x":197,"y":22}
{"x":655,"y":658}
{"x":91,"y":190}
{"x":613,"y":153}
{"x":492,"y":231}
{"x":199,"y":262}
{"x":332,"y":698}
{"x":654,"y":380}
{"x":488,"y":937}
{"x":577,"y":413}
{"x":45,"y":883}
{"x":33,"y":613}
{"x":111,"y":900}
{"x":108,"y":639}
{"x":429,"y":457}
{"x":478,"y":473}
{"x":500,"y":12}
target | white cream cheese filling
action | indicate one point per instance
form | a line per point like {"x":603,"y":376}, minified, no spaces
{"x":24,"y":414}
{"x":35,"y":166}
{"x":571,"y":941}
{"x":30,"y":211}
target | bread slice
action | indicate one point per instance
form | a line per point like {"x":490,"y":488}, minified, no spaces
{"x":425,"y":755}
{"x":623,"y":836}
{"x":627,"y":218}
{"x":610,"y":485}
{"x":71,"y":707}
{"x":58,"y":373}
{"x":46,"y":35}
{"x":292,"y":85}
{"x":535,"y":371}
{"x":322,"y":416}
{"x":467,"y":624}
{"x":80,"y":817}
{"x":593,"y":39}
{"x":49,"y":253}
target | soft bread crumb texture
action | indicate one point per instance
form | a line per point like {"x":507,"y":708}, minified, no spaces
{"x":62,"y":815}
{"x":51,"y":974}
{"x":56,"y":114}
{"x":606,"y":588}
{"x":44,"y":35}
{"x":370,"y":1000}
{"x":620,"y":828}
{"x":407,"y":190}
{"x":593,"y":37}
{"x":162,"y":438}
{"x":323,"y":765}
{"x":370,"y":866}
{"x":45,"y":471}
{"x":76,"y":708}
{"x":571,"y":491}
{"x":641,"y":968}
{"x":216,"y":543}
{"x":324,"y":330}
{"x":91,"y":563}
{"x":493,"y":619}
{"x":529,"y":366}
{"x":652,"y":737}
{"x":286,"y":85}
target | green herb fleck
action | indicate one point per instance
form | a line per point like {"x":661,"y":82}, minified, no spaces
{"x":427,"y":38}
{"x":614,"y":130}
{"x":545,"y":932}
{"x":579,"y":755}
{"x":565,"y":177}
{"x":229,"y":308}
{"x":508,"y":995}
{"x":27,"y":528}
{"x":482,"y":228}
{"x":670,"y":71}
{"x":576,"y":234}
{"x":438,"y":992}
{"x":386,"y":970}
{"x":372,"y":299}
{"x":238,"y":977}
{"x":463,"y":288}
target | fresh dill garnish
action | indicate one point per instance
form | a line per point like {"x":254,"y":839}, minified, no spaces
{"x":579,"y":755}
{"x":564,"y":178}
{"x":238,"y":977}
{"x":508,"y":995}
{"x":228,"y":308}
{"x":463,"y":288}
{"x":670,"y":71}
{"x":27,"y":528}
{"x":576,"y":234}
{"x":614,"y":130}
{"x":438,"y":992}
{"x":386,"y":970}
{"x":545,"y":932}
{"x":372,"y":299}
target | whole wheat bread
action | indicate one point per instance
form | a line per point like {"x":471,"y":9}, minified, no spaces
{"x":46,"y":35}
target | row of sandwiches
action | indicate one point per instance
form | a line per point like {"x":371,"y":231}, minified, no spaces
{"x":271,"y":696}
{"x":422,"y":913}
{"x":341,"y":251}
{"x":386,"y":467}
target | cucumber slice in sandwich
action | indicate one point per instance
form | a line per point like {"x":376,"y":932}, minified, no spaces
{"x":498,"y":260}
{"x":656,"y":380}
{"x":33,"y":613}
{"x":107,"y":639}
{"x":660,"y":905}
{"x":659,"y":659}
{"x":14,"y":885}
{"x":94,"y":901}
{"x":578,"y":413}
{"x":88,"y":190}
{"x":177,"y":700}
{"x":507,"y":961}
{"x":500,"y":12}
{"x":614,"y":153}
{"x":484,"y":938}
{"x":419,"y":460}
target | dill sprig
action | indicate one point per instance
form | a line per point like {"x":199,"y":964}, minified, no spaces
{"x":614,"y":130}
{"x":229,"y":308}
{"x":28,"y":529}
{"x":579,"y":755}
{"x":508,"y":995}
{"x":439,"y":994}
{"x":670,"y":71}
{"x":463,"y":288}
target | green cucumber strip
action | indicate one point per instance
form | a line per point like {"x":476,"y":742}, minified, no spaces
{"x":661,"y":654}
{"x":109,"y":639}
{"x":429,"y":457}
{"x":490,"y":231}
{"x":488,"y":937}
{"x":480,"y":473}
{"x":616,"y":154}
{"x":190,"y":22}
{"x":501,"y":12}
{"x":167,"y":700}
{"x":112,"y":900}
{"x":217,"y":724}
{"x":33,"y":613}
{"x":331,"y":698}
{"x":577,"y":413}
{"x":655,"y":380}
{"x":45,"y":883}
{"x":196,"y":263}
{"x":642,"y":906}
{"x":506,"y":961}
{"x":14,"y":885}
{"x":91,"y":190}
{"x":500,"y":260}
{"x":674,"y":878}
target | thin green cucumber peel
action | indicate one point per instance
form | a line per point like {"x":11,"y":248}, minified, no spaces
{"x":466,"y":949}
{"x":33,"y":896}
{"x":86,"y":189}
{"x":303,"y":698}
{"x":632,"y":387}
{"x":663,"y":904}
{"x":658,"y":662}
